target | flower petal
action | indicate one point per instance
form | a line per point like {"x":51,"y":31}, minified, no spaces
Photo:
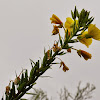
{"x":84,"y":40}
{"x":94,"y":32}
{"x":54,"y":19}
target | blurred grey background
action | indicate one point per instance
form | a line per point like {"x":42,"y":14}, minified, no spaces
{"x":25,"y":29}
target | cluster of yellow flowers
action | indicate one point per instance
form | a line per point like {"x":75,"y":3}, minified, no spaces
{"x":85,"y":37}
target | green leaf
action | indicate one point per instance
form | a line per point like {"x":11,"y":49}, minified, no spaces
{"x":32,"y":62}
{"x":13,"y":89}
{"x":43,"y":69}
{"x":75,"y":13}
{"x":50,"y":53}
{"x":31,"y":93}
{"x":74,"y":29}
{"x":22,"y":78}
{"x":26,"y":76}
{"x":90,"y":19}
{"x":10,"y":94}
{"x":61,"y":53}
{"x":90,"y":22}
{"x":66,"y":38}
{"x":38,"y":64}
{"x":72,"y":14}
{"x":32,"y":72}
{"x":21,"y":87}
{"x":7,"y":97}
{"x":60,"y":40}
{"x":55,"y":63}
{"x":86,"y":18}
{"x":67,"y":47}
{"x":44,"y":51}
{"x":45,"y":59}
{"x":34,"y":83}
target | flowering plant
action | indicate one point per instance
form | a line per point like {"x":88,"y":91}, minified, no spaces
{"x":79,"y":28}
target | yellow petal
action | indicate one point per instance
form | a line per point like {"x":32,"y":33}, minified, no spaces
{"x":94,"y":32}
{"x":54,"y":19}
{"x":83,"y":40}
{"x":68,"y":23}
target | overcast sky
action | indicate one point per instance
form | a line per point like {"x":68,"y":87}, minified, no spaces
{"x":25,"y":29}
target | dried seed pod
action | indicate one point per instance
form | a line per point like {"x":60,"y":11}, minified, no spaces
{"x":48,"y":54}
{"x":7,"y":89}
{"x":16,"y":81}
{"x":56,"y":47}
{"x":64,"y":66}
{"x":69,"y":50}
{"x":84,"y":54}
{"x":55,"y":30}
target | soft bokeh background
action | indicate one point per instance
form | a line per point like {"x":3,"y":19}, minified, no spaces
{"x":25,"y":30}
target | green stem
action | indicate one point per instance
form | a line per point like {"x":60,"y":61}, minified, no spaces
{"x":30,"y":83}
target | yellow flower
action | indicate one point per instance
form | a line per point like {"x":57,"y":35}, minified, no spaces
{"x":64,"y":66}
{"x":84,"y":40}
{"x":94,"y":32}
{"x":84,"y":54}
{"x":54,"y":19}
{"x":55,"y":30}
{"x":86,"y":37}
{"x":69,"y":24}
